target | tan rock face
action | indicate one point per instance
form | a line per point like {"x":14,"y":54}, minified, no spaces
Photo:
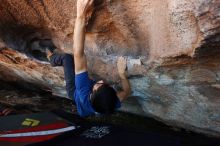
{"x":172,"y":48}
{"x":153,"y":29}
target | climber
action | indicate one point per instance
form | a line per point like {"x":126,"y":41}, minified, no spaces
{"x":90,"y":97}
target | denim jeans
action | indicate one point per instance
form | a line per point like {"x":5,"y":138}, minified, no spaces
{"x":67,"y":61}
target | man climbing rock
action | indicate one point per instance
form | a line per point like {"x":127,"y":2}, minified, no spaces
{"x":89,"y":96}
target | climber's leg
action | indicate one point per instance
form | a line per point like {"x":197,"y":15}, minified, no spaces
{"x":67,"y":61}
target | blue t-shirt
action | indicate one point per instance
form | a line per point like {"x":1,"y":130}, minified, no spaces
{"x":83,"y":90}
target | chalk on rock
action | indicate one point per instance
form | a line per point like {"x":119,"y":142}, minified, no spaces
{"x":133,"y":62}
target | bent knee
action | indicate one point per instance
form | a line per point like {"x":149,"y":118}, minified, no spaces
{"x":68,"y":56}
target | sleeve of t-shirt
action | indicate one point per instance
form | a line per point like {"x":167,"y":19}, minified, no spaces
{"x":82,"y":80}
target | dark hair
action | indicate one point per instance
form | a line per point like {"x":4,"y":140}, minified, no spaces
{"x":104,"y":99}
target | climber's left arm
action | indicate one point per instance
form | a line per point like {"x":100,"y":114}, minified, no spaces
{"x":126,"y":88}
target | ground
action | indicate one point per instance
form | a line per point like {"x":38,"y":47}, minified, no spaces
{"x":28,"y":101}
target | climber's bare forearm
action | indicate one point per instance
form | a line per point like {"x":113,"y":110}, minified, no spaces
{"x":78,"y":48}
{"x":121,"y":65}
{"x":126,"y":88}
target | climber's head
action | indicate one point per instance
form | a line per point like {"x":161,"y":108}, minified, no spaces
{"x":103,"y":98}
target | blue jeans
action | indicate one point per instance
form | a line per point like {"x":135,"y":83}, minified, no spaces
{"x":67,"y":61}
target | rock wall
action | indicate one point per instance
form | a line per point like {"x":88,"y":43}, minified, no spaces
{"x":172,"y":48}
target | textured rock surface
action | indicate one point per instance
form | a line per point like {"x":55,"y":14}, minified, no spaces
{"x":173,"y":49}
{"x":26,"y":101}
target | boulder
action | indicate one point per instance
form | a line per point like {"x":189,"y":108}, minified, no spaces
{"x":172,"y":50}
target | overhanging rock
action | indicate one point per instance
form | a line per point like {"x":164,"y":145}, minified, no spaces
{"x":172,"y":48}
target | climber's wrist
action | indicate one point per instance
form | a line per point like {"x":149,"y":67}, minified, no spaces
{"x":81,"y":21}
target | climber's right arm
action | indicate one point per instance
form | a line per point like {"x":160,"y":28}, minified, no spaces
{"x":79,"y":36}
{"x":78,"y":48}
